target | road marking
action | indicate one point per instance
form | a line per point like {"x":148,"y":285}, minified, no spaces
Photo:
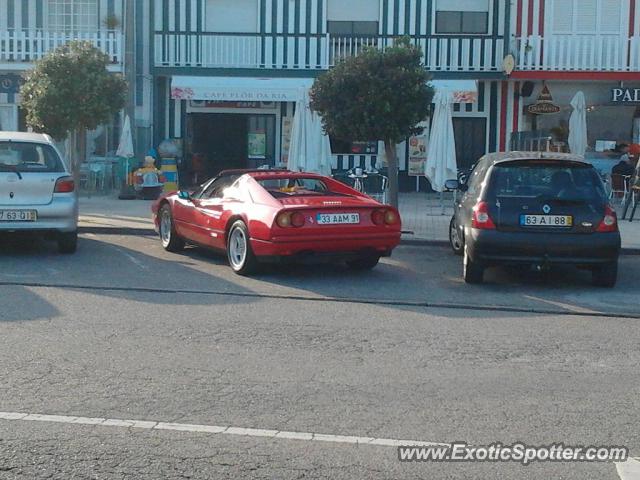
{"x":629,"y":470}
{"x":212,"y":429}
{"x":133,"y":259}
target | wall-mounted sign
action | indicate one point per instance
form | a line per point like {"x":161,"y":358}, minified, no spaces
{"x":257,"y":145}
{"x":544,"y":105}
{"x":625,"y":95}
{"x":10,"y":83}
{"x":234,"y":105}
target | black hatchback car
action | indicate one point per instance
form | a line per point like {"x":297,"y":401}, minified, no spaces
{"x":538,"y":209}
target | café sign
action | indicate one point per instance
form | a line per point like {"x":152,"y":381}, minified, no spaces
{"x":625,"y":95}
{"x":544,"y":105}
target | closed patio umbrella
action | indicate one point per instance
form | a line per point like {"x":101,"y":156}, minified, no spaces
{"x":441,"y":162}
{"x":125,"y":147}
{"x":578,"y":125}
{"x":310,"y":149}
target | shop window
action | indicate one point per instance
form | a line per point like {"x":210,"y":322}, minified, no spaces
{"x":341,"y":147}
{"x":462,"y":17}
{"x":72,"y":15}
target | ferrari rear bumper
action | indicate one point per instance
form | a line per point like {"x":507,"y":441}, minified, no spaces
{"x":329,"y":246}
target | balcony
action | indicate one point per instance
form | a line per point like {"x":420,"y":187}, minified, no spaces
{"x":20,"y":48}
{"x":316,"y":52}
{"x":578,"y":53}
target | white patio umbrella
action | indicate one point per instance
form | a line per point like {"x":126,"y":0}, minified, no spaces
{"x":310,"y":149}
{"x":578,"y":125}
{"x":125,"y":147}
{"x":441,"y":162}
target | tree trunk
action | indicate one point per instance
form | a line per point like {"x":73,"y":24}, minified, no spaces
{"x":392,"y":167}
{"x":75,"y":154}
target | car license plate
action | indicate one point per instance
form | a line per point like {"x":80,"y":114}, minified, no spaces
{"x":18,"y":215}
{"x":546,"y":221}
{"x":337,"y":218}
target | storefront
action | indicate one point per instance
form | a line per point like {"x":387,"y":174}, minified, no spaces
{"x":244,"y":122}
{"x":613,"y":113}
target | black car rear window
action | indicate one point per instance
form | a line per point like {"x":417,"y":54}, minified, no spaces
{"x":29,"y":157}
{"x":549,"y":180}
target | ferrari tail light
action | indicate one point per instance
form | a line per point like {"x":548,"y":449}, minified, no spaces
{"x":290,"y":219}
{"x":384,"y":217}
{"x":377,"y":217}
{"x":481,"y":218}
{"x":610,"y":221}
{"x":391,"y":217}
{"x":284,"y":220}
{"x":65,"y":185}
{"x":297,"y":219}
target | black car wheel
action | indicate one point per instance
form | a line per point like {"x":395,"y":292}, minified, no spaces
{"x":68,"y":242}
{"x":473,"y":272}
{"x":455,"y":238}
{"x":606,"y":275}
{"x":364,"y":263}
{"x":168,"y":235}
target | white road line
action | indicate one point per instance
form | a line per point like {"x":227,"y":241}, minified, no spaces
{"x":629,"y":470}
{"x":212,"y":429}
{"x":133,"y":259}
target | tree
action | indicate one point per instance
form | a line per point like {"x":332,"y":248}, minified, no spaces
{"x":376,"y":95}
{"x":70,"y":91}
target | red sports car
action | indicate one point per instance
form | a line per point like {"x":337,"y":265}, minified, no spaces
{"x":271,"y":215}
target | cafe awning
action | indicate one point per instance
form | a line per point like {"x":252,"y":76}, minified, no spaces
{"x":239,"y":89}
{"x":463,"y":91}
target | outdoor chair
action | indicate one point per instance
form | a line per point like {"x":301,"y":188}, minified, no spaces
{"x":619,"y":188}
{"x":375,"y":185}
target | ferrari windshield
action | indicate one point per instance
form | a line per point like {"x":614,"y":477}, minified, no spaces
{"x":295,"y":186}
{"x":29,"y":157}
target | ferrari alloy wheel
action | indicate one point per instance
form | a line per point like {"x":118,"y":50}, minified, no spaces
{"x":168,"y":235}
{"x":455,"y":239}
{"x":241,"y":257}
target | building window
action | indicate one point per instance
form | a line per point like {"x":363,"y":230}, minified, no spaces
{"x":342,"y":147}
{"x":237,"y":16}
{"x":73,"y":15}
{"x":346,"y":28}
{"x":462,"y":16}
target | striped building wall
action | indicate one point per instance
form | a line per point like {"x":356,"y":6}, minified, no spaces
{"x":32,"y":14}
{"x":528,"y":17}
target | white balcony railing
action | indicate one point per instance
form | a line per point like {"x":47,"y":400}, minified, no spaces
{"x":25,"y":46}
{"x":299,"y":51}
{"x":598,"y":53}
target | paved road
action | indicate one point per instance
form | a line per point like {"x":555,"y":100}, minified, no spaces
{"x":123,"y":330}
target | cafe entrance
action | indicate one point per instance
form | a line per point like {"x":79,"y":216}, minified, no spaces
{"x":221,"y":141}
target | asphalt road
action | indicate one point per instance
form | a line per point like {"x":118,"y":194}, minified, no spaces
{"x":123,"y":330}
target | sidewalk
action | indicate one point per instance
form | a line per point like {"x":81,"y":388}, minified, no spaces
{"x":423,"y":217}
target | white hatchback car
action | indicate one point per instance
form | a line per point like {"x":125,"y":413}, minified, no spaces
{"x":37,"y":191}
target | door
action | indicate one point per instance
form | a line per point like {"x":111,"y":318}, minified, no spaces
{"x":471,"y":140}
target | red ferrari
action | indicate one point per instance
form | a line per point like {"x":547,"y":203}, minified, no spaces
{"x":270,"y":215}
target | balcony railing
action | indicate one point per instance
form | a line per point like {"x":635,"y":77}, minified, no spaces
{"x":313,"y":52}
{"x":29,"y":45}
{"x":598,"y":53}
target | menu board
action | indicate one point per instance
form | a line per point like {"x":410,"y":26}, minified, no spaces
{"x":287,"y":123}
{"x":417,"y":155}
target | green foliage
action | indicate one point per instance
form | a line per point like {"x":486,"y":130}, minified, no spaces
{"x":70,"y":89}
{"x":375,"y":95}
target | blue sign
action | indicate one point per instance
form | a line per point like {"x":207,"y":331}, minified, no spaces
{"x":10,"y":83}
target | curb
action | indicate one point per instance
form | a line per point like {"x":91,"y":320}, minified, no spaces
{"x":413,"y":242}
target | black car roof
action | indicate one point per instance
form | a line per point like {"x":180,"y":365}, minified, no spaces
{"x":502,"y":157}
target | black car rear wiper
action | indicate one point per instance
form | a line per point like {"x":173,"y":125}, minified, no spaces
{"x":11,"y":168}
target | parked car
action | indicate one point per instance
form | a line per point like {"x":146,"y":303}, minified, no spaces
{"x":535,"y":208}
{"x":259,"y":216}
{"x":37,"y":191}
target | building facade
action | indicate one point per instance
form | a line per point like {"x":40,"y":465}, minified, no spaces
{"x":562,"y":47}
{"x":31,"y":28}
{"x":212,"y":59}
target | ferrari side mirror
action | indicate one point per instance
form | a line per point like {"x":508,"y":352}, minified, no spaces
{"x":184,"y":195}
